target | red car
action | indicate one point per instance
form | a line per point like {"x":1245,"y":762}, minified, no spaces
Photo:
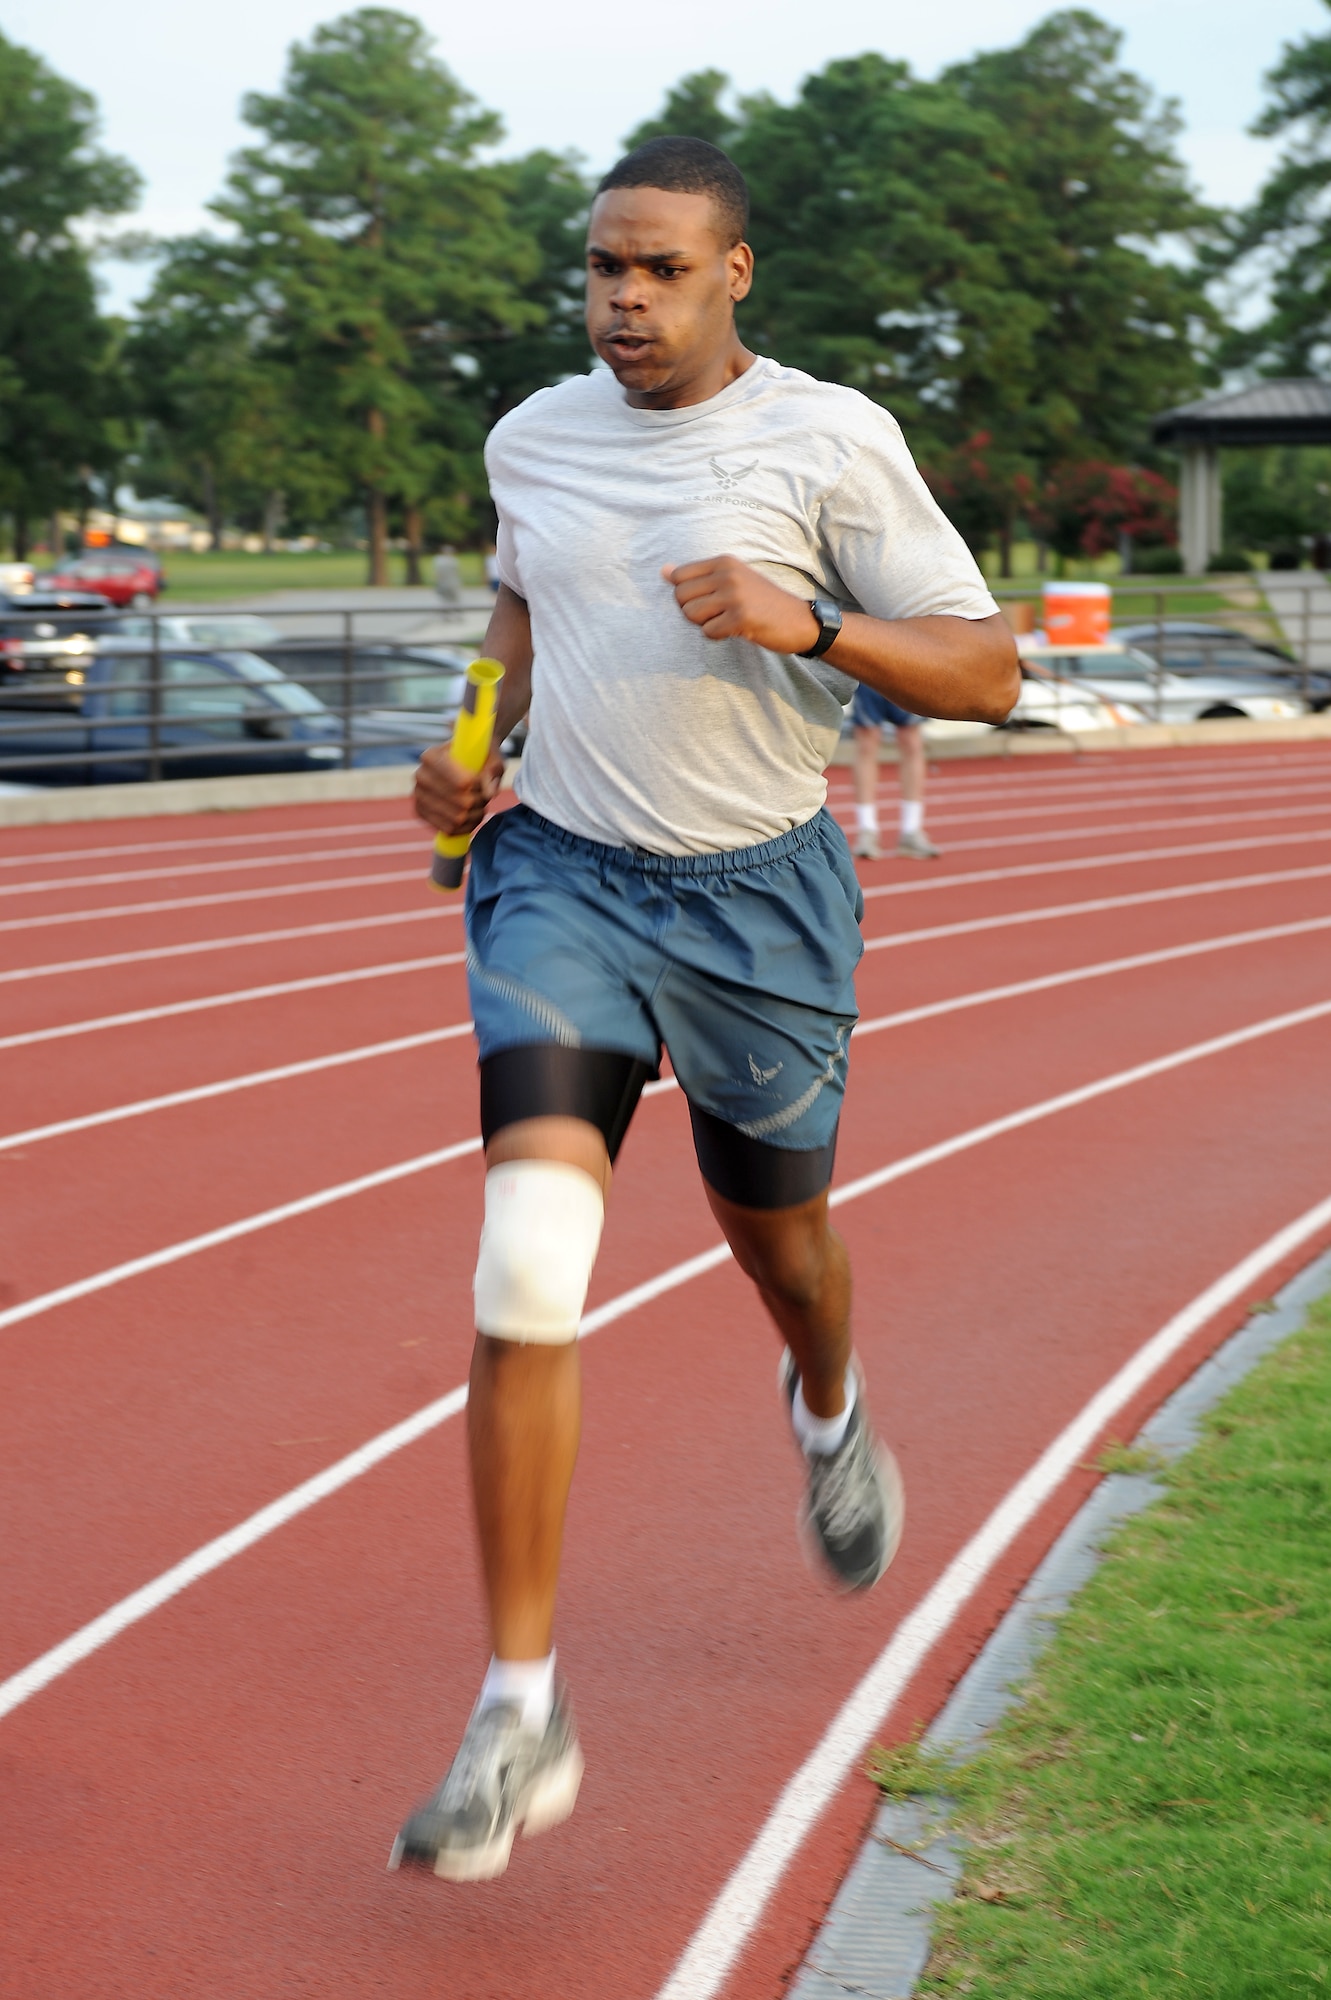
{"x":122,"y":576}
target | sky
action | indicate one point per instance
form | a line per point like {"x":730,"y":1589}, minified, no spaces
{"x":580,"y":73}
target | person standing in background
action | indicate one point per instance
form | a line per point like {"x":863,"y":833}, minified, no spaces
{"x":870,"y":712}
{"x":448,"y":577}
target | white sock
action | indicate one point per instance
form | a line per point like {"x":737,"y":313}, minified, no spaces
{"x":866,"y":819}
{"x":912,"y":815}
{"x":821,"y":1436}
{"x":529,"y":1682}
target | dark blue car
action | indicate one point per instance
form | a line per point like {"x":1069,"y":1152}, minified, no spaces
{"x":211,"y":715}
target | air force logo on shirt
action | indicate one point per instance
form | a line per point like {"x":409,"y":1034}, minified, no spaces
{"x":728,"y":476}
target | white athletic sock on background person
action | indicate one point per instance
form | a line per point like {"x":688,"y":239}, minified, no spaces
{"x":822,"y":1435}
{"x":530,"y":1683}
{"x":866,"y":819}
{"x":912,"y":816}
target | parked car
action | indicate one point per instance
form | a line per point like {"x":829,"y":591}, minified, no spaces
{"x":218,"y":714}
{"x":1042,"y":704}
{"x":121,"y":576}
{"x":417,"y":689}
{"x":1213,"y":649}
{"x":213,"y":631}
{"x":1056,"y":701}
{"x":43,"y":633}
{"x":411,"y":679}
{"x":1126,"y":677}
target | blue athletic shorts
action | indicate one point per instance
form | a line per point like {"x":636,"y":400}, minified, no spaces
{"x":740,"y":964}
{"x":871,"y":710}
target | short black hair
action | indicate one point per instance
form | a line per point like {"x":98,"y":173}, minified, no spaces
{"x":688,"y":166}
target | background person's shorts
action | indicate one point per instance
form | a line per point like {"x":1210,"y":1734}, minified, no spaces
{"x":741,"y":964}
{"x":871,"y":710}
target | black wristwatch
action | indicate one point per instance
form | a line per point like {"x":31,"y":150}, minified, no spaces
{"x":828,"y":613}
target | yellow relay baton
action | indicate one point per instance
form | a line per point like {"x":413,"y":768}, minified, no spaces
{"x":473,"y":733}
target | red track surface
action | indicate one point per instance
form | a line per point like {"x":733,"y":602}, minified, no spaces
{"x":204,"y":1806}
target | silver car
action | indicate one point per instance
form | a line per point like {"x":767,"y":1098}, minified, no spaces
{"x":1147,"y":692}
{"x":214,"y":631}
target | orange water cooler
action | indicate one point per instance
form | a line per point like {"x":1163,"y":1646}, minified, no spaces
{"x":1076,"y":614}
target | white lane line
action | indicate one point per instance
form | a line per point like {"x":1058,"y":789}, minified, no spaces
{"x":30,"y":1680}
{"x":1052,"y":836}
{"x":193,"y":868}
{"x":721,"y":1937}
{"x":345,"y":830}
{"x":1095,"y":784}
{"x":191,"y":1246}
{"x":1076,"y":864}
{"x":943,"y":785}
{"x":326,"y":979}
{"x":202,"y":1092}
{"x":1006,"y":814}
{"x":238,"y":997}
{"x":1047,"y":982}
{"x":1130,"y":857}
{"x":927,"y":1011}
{"x":240,"y":940}
{"x":1099,"y":771}
{"x":1178,"y":779}
{"x":91,"y":1638}
{"x":268,"y":893}
{"x":388,"y":877}
{"x":1012,"y":810}
{"x":1050,"y":912}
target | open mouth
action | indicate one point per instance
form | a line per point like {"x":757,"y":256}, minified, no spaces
{"x":629,"y":344}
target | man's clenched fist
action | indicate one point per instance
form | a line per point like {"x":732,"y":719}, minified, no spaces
{"x":731,"y":601}
{"x":451,"y":798}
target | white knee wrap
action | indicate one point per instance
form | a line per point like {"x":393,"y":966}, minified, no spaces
{"x":542,"y":1231}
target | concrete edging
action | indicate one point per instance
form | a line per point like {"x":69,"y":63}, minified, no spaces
{"x":204,"y":795}
{"x":1137,"y":736}
{"x":875,"y":1939}
{"x":394,"y":781}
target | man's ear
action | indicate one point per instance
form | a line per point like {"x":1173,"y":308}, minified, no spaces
{"x":740,"y":261}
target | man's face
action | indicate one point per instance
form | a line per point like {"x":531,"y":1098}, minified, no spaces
{"x":661,"y":288}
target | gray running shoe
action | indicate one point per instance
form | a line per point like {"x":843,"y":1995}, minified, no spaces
{"x":503,"y":1777}
{"x":854,"y":1507}
{"x":866,"y":848}
{"x":917,"y":847}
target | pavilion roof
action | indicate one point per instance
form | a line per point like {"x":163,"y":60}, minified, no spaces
{"x":1274,"y":412}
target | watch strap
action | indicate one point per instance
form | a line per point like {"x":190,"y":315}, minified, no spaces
{"x":828,"y":613}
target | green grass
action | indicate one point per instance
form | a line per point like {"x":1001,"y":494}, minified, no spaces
{"x":1135,"y":598}
{"x":231,"y":573}
{"x":1155,"y":1818}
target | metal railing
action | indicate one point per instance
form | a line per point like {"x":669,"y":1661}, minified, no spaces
{"x":1138,"y":603}
{"x":105,"y":697}
{"x":118,"y":696}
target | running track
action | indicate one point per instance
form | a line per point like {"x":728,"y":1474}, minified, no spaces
{"x":207,"y":1024}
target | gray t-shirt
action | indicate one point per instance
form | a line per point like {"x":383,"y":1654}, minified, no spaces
{"x":644,"y":733}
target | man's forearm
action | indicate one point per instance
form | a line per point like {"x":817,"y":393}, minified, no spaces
{"x":963,"y":668}
{"x":508,"y":640}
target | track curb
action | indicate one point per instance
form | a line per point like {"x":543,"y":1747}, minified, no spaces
{"x":875,"y":1939}
{"x":394,"y":781}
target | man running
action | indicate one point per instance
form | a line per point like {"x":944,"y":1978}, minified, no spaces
{"x":870,"y":713}
{"x":687,"y":536}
